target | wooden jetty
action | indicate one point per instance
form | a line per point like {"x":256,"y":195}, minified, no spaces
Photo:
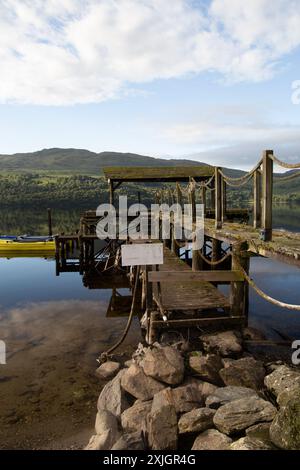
{"x":184,"y":291}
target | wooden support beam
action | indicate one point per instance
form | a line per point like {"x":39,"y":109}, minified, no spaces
{"x":223,"y":200}
{"x":197,"y":262}
{"x":238,"y":289}
{"x":218,"y":199}
{"x":49,"y":212}
{"x":201,"y":322}
{"x":188,"y":276}
{"x":203,"y":198}
{"x":257,"y":199}
{"x":267,"y":195}
{"x":111,"y":192}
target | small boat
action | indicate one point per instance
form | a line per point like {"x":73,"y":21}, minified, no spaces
{"x":27,"y":243}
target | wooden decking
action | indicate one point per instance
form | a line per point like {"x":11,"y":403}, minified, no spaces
{"x":285,"y":246}
{"x":186,"y":296}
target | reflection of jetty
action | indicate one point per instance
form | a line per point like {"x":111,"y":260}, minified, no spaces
{"x":184,"y":290}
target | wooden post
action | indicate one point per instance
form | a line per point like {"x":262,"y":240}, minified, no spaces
{"x":267,"y":195}
{"x":239,"y":295}
{"x":49,"y":222}
{"x":224,"y":199}
{"x":197,"y":262}
{"x":111,"y":192}
{"x":218,"y":199}
{"x":257,"y":199}
{"x":203,"y":198}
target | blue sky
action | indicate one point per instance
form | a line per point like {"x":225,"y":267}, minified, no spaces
{"x":211,"y":80}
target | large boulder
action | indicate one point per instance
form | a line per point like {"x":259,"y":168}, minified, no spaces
{"x":224,"y":395}
{"x":251,"y":443}
{"x":285,"y":429}
{"x":241,"y":414}
{"x":113,"y":398}
{"x":164,"y":363}
{"x":197,"y":420}
{"x":185,"y":398}
{"x":108,"y":370}
{"x":162,"y":424}
{"x":283,"y":378}
{"x":134,"y":418}
{"x":107,"y":433}
{"x":259,"y":431}
{"x":212,"y":439}
{"x":138,"y":384}
{"x":226,"y":343}
{"x":129,"y":441}
{"x":245,"y":372}
{"x":207,"y":367}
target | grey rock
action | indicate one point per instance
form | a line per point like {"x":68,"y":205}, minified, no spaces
{"x":253,"y":334}
{"x":259,"y":431}
{"x":245,"y":372}
{"x":162,"y":424}
{"x":134,"y":418}
{"x":197,"y":420}
{"x":251,"y":443}
{"x":138,"y":384}
{"x":204,"y":388}
{"x":129,"y":441}
{"x":113,"y":398}
{"x":241,"y":414}
{"x":165,"y":364}
{"x":285,"y":428}
{"x":226,"y":343}
{"x":282,"y":378}
{"x":99,"y":442}
{"x":105,"y":420}
{"x":108,"y":370}
{"x":186,"y":397}
{"x":207,"y":368}
{"x":228,"y":394}
{"x":212,"y":439}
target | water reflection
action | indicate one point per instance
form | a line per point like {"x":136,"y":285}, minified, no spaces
{"x":54,"y":329}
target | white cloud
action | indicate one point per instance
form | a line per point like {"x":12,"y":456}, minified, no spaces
{"x":57,"y":52}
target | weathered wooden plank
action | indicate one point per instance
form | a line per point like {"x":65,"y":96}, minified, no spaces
{"x":202,"y":322}
{"x":208,"y":276}
{"x":267,"y":194}
{"x":172,"y":173}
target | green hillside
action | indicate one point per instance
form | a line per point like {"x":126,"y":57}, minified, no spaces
{"x":77,"y":161}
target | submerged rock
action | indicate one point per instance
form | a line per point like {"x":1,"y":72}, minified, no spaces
{"x":134,"y":418}
{"x":197,"y":420}
{"x":224,"y":395}
{"x":113,"y":398}
{"x":226,"y":343}
{"x":164,"y":363}
{"x":212,"y":439}
{"x":245,"y":372}
{"x":207,"y":368}
{"x":241,"y":414}
{"x":251,"y":443}
{"x":162,"y":424}
{"x":285,"y":429}
{"x":138,"y":384}
{"x":108,"y":370}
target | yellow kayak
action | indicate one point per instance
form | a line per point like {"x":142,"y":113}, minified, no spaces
{"x":23,"y":244}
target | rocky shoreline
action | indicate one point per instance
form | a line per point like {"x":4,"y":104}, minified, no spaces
{"x":215,"y":396}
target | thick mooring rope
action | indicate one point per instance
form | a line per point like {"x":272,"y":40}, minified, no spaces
{"x":282,"y":179}
{"x":285,"y":164}
{"x":104,"y":356}
{"x":266,"y":296}
{"x":241,"y":178}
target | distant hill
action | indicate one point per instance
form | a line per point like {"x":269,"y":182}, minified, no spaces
{"x":77,"y":161}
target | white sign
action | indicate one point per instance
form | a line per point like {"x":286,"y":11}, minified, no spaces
{"x":139,"y":254}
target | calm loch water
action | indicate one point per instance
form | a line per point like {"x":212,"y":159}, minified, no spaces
{"x":55,"y":328}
